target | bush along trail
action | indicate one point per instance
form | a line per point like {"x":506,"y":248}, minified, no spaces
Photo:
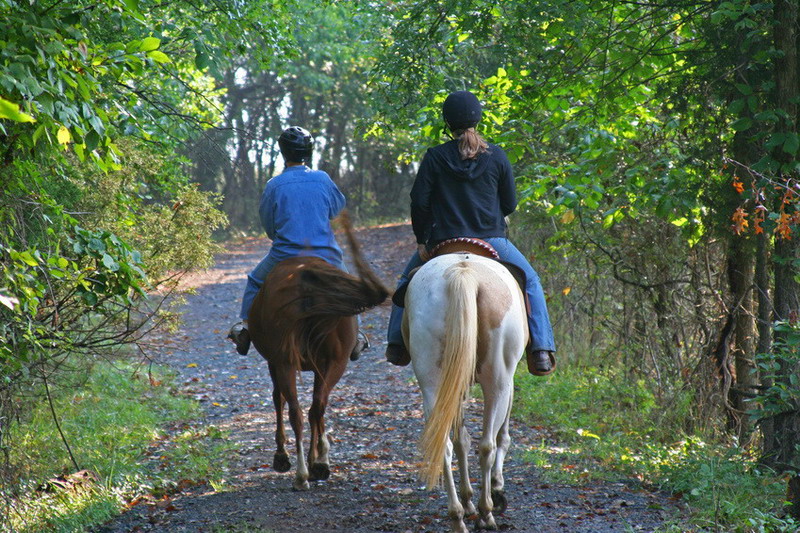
{"x":374,"y":421}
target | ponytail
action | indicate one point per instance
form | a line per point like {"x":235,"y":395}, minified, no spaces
{"x":470,"y":143}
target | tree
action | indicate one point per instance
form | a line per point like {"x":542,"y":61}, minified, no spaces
{"x":318,"y":84}
{"x":95,"y":210}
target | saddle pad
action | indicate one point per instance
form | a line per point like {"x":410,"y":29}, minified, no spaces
{"x":399,"y":296}
{"x":465,"y":244}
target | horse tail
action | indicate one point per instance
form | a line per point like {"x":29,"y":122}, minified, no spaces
{"x":328,"y":291}
{"x":458,"y":361}
{"x":372,"y":289}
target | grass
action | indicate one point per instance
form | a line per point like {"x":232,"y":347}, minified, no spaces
{"x":607,"y":431}
{"x":114,"y":423}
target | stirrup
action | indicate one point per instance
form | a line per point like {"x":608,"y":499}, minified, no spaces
{"x":362,"y":343}
{"x":397,"y":354}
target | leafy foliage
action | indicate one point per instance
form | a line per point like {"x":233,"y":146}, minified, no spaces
{"x":96,"y":99}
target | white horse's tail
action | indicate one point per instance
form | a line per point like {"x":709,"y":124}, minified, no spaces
{"x":460,"y":345}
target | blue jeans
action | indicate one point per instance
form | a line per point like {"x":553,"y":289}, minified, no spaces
{"x":255,"y":280}
{"x":538,"y":320}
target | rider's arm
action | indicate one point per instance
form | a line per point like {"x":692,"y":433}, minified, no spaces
{"x":336,"y":199}
{"x":266,"y":211}
{"x":506,"y":188}
{"x":421,"y":218}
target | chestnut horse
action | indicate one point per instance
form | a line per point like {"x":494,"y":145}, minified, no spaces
{"x":465,"y":320}
{"x":303,"y":318}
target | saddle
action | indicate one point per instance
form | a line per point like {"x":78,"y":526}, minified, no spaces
{"x":469,"y":245}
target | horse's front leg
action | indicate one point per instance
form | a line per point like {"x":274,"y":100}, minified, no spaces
{"x":280,"y":461}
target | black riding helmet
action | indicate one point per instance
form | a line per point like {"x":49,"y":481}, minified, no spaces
{"x":461,"y":110}
{"x":296,"y":144}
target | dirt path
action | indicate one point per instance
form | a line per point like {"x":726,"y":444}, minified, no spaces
{"x":374,"y":421}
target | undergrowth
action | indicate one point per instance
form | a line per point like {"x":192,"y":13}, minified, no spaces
{"x":115,"y":426}
{"x":602,"y":430}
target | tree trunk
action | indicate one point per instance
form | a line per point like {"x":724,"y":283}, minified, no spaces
{"x":765,"y":317}
{"x":741,"y":271}
{"x":781,"y":449}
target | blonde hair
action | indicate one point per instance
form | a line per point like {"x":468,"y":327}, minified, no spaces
{"x":470,"y":143}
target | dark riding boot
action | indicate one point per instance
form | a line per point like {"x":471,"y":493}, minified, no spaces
{"x":362,"y":343}
{"x":240,"y":337}
{"x":397,"y":355}
{"x":540,"y":362}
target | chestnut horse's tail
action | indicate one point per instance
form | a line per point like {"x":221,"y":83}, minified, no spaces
{"x":327,"y":294}
{"x":458,"y":360}
{"x":331,"y":292}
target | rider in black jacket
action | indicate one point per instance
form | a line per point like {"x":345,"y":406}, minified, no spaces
{"x":465,"y":188}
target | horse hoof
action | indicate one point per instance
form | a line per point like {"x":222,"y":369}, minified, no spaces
{"x":300,"y":485}
{"x":281,"y":462}
{"x":487,"y":522}
{"x":320,"y":472}
{"x":458,"y":526}
{"x":499,"y":501}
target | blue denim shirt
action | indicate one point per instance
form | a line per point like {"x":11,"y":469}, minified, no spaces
{"x":296,"y":209}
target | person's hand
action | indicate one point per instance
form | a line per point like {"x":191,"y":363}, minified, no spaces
{"x":422,"y":250}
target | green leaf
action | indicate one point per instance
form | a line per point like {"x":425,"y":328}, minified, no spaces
{"x":201,"y":61}
{"x":149,"y":43}
{"x":11,"y":111}
{"x":28,"y":259}
{"x":109,"y":263}
{"x":742,"y":124}
{"x":792,"y":144}
{"x":158,"y":56}
{"x":92,"y":139}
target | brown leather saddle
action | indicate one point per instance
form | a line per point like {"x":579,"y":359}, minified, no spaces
{"x":468,"y":245}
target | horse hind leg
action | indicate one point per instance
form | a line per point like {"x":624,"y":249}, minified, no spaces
{"x":499,"y":501}
{"x":495,"y":416}
{"x":461,"y":446}
{"x":328,"y":375}
{"x":455,"y":510}
{"x":296,"y":419}
{"x":319,"y":447}
{"x":280,"y":461}
{"x":289,"y":390}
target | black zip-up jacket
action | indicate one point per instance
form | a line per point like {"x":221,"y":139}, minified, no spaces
{"x":454,"y":197}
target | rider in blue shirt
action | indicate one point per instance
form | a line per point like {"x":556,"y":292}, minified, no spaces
{"x":295,"y":210}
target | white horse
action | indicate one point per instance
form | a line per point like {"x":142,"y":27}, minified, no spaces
{"x":465,"y":320}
